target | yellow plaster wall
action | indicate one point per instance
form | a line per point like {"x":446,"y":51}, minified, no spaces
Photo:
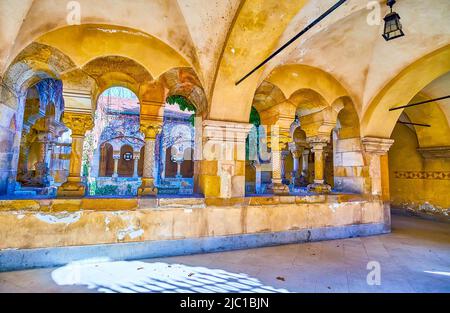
{"x":413,"y":193}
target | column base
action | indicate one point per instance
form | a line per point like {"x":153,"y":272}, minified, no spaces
{"x":299,"y":181}
{"x":147,"y":188}
{"x":72,"y":189}
{"x":278,"y":188}
{"x":319,"y":188}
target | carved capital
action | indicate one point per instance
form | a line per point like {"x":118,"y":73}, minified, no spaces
{"x":79,"y":123}
{"x":151,"y":129}
{"x":296,"y":149}
{"x":379,"y":146}
{"x":318,"y":140}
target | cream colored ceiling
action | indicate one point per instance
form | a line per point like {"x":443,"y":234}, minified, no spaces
{"x":223,"y":39}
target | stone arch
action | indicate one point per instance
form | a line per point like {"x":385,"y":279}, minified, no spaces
{"x":184,"y":82}
{"x":35,"y":63}
{"x":348,"y":121}
{"x":377,"y":120}
{"x":308,"y":101}
{"x":293,"y":77}
{"x":116,"y":71}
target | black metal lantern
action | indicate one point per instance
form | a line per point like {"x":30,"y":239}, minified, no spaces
{"x":392,"y":25}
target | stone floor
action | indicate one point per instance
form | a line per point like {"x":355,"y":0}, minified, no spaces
{"x":414,"y":258}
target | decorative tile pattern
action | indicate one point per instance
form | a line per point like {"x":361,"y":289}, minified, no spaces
{"x":422,"y":175}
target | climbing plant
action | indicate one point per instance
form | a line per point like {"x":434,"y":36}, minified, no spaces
{"x":184,"y":105}
{"x":254,"y":117}
{"x":256,"y":121}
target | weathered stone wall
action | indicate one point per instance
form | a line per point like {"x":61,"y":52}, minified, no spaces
{"x":59,"y":223}
{"x":418,"y":184}
{"x":349,"y":171}
{"x":10,"y":133}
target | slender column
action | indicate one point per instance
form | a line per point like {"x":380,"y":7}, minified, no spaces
{"x":305,"y":164}
{"x":284,"y":155}
{"x":318,"y":145}
{"x":277,"y":143}
{"x":150,"y":130}
{"x":136,"y":166}
{"x":179,"y":162}
{"x":79,"y":123}
{"x":258,"y":178}
{"x":296,"y":151}
{"x":116,"y":158}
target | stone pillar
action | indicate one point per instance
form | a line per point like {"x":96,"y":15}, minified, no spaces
{"x":284,"y":155}
{"x":79,"y":123}
{"x":116,"y":158}
{"x":42,"y":165}
{"x":222,"y":166}
{"x":297,"y":152}
{"x":258,"y":178}
{"x":377,"y":184}
{"x":318,"y":145}
{"x":150,"y":129}
{"x":179,"y":162}
{"x":374,"y":150}
{"x":305,"y":164}
{"x":277,"y":142}
{"x":136,"y":158}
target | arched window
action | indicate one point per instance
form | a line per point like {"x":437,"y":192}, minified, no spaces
{"x":126,"y":162}
{"x":106,"y":161}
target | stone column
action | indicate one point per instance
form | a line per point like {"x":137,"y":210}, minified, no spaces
{"x":79,"y":123}
{"x":258,"y":177}
{"x":136,"y":158}
{"x":297,"y":152}
{"x":277,"y":142}
{"x":221,"y":172}
{"x":42,"y":166}
{"x":150,"y":129}
{"x":374,"y":151}
{"x":305,"y":164}
{"x":116,"y":158}
{"x":376,"y":162}
{"x":284,"y":155}
{"x":179,"y":162}
{"x":318,"y":145}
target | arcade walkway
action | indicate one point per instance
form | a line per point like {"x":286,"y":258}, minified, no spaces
{"x":414,"y":258}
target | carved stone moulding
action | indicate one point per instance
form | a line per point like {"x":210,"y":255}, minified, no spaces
{"x":442,"y":152}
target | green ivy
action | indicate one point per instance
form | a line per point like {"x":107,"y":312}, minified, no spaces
{"x":107,"y":190}
{"x":183,"y":103}
{"x":254,"y":117}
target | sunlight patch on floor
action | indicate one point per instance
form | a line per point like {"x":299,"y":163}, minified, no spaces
{"x":137,"y":276}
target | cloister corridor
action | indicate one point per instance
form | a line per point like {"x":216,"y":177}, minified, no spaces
{"x":225,"y":146}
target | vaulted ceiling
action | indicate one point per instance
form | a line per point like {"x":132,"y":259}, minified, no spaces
{"x":224,"y":39}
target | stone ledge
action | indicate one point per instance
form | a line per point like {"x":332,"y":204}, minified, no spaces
{"x":133,"y":204}
{"x":11,"y":260}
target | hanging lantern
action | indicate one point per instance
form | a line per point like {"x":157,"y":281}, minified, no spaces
{"x":392,"y":25}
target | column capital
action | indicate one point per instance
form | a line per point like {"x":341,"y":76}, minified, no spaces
{"x":79,"y":123}
{"x":320,"y":139}
{"x":284,"y":154}
{"x":151,"y":129}
{"x":318,"y":143}
{"x":375,"y":145}
{"x":224,"y":131}
{"x":296,"y":149}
